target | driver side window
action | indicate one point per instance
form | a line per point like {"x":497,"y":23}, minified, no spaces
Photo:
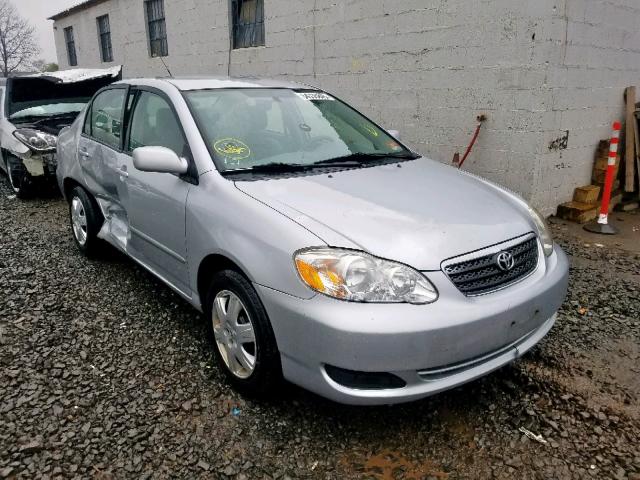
{"x":155,"y":124}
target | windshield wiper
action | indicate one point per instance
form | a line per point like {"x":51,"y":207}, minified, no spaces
{"x":275,"y":167}
{"x":40,"y":118}
{"x":351,"y":160}
{"x":26,"y":118}
{"x":359,"y":158}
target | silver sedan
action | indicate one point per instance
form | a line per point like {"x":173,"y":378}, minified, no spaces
{"x":320,"y":248}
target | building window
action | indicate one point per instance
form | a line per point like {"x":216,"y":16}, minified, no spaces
{"x":71,"y":46}
{"x":104,"y":35}
{"x":157,"y":28}
{"x":248,"y":23}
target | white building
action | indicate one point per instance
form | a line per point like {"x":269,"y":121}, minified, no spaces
{"x":549,"y":74}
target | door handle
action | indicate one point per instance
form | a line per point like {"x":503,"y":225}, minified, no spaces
{"x":83,"y":152}
{"x":123,"y":171}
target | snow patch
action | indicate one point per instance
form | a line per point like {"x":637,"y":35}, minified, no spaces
{"x":79,"y":74}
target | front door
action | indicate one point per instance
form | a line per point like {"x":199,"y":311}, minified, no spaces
{"x":155,"y":202}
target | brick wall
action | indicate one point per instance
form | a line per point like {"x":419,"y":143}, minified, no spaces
{"x":424,"y":67}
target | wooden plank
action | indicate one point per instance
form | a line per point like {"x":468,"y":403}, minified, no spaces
{"x":630,"y":155}
{"x":577,"y":212}
{"x":588,"y":194}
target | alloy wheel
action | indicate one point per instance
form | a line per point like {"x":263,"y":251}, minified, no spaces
{"x":79,"y":220}
{"x":234,"y":334}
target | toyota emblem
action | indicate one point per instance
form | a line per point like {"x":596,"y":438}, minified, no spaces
{"x":505,"y":261}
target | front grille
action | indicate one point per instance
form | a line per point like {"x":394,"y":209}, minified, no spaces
{"x":482,"y":274}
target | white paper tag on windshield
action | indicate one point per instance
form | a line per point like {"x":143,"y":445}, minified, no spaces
{"x":315,"y":96}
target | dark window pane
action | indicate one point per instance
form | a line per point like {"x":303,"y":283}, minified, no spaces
{"x":157,"y":28}
{"x":104,"y":35}
{"x":71,"y":46}
{"x":248,"y":23}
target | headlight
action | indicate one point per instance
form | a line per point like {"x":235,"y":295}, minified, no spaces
{"x":36,"y":140}
{"x":359,"y":277}
{"x":543,"y":231}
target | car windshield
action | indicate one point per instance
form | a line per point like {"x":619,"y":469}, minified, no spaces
{"x":247,"y":128}
{"x":51,"y":109}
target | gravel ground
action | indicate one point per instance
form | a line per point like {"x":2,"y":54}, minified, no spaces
{"x":105,"y":373}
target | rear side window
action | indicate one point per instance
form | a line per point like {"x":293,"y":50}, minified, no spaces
{"x":105,"y":123}
{"x":155,"y":124}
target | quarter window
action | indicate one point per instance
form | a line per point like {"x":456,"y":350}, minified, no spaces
{"x":71,"y":46}
{"x":155,"y":124}
{"x":158,"y":46}
{"x":248,"y":23}
{"x":104,"y":36}
{"x":106,"y":117}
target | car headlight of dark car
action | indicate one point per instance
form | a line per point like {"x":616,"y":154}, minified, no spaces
{"x":36,"y":140}
{"x":359,"y":277}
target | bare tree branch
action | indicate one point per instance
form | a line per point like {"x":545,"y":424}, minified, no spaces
{"x":18,"y":46}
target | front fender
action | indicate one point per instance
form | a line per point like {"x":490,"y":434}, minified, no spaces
{"x":222,"y":220}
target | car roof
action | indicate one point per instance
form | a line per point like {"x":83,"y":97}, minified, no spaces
{"x":209,"y":82}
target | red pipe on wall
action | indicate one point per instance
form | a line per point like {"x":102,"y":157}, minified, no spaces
{"x":481,"y":118}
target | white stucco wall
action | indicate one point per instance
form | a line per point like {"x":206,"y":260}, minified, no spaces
{"x":425,"y":67}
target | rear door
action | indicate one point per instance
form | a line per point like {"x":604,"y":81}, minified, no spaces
{"x":155,"y":202}
{"x":99,"y":151}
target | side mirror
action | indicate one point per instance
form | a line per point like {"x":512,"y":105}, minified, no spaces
{"x":160,"y":160}
{"x":394,"y":133}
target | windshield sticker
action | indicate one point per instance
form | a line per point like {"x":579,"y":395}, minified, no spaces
{"x":371,"y":130}
{"x":315,"y":96}
{"x":232,"y":149}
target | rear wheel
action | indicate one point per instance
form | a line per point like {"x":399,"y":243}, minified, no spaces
{"x":86,"y":221}
{"x":243,"y":339}
{"x":19,"y":179}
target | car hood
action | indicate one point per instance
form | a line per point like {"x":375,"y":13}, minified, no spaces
{"x":77,"y":75}
{"x":418,"y":212}
{"x":73,"y":86}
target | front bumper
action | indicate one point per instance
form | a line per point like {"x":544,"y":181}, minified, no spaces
{"x":431,"y":347}
{"x":38,"y":165}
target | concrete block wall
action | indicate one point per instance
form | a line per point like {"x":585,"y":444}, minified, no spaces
{"x":537,"y":69}
{"x":192,"y":36}
{"x":426,"y":68}
{"x":597,"y":55}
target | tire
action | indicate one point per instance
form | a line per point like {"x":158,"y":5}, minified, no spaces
{"x":86,"y":220}
{"x":265,"y":378}
{"x":18,"y":177}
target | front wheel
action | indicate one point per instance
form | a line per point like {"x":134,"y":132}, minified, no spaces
{"x":243,"y":339}
{"x":19,"y":179}
{"x":86,"y":221}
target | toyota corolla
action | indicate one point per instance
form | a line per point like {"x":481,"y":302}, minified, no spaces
{"x":319,"y":247}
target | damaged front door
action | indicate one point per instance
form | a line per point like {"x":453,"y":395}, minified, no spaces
{"x":99,"y":152}
{"x":155,"y":202}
